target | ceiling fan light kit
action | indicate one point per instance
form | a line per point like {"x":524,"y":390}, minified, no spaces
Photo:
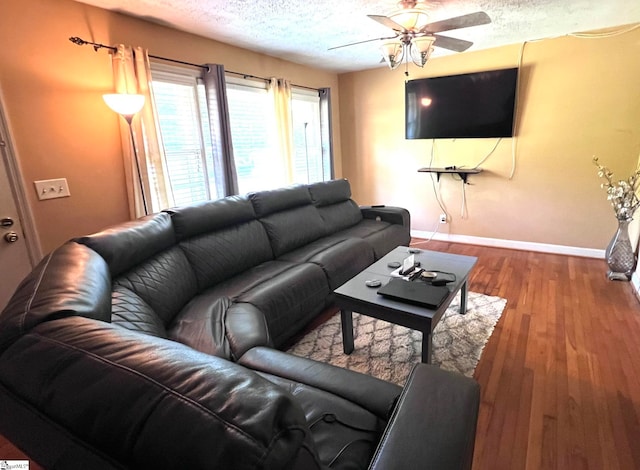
{"x":392,"y":52}
{"x":419,"y":49}
{"x":411,"y":19}
{"x":414,"y":37}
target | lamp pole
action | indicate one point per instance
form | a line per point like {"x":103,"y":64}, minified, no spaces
{"x":129,"y":119}
{"x":127,"y":105}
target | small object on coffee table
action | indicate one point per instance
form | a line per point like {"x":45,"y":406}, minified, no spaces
{"x":373,"y":283}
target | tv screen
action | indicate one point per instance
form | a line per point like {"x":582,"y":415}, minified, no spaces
{"x":471,"y":105}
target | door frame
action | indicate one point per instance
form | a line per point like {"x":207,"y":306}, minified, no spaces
{"x":16,"y":185}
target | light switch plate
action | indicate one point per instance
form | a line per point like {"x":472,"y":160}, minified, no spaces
{"x":51,"y":189}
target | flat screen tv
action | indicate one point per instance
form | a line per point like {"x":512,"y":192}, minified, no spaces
{"x":471,"y":105}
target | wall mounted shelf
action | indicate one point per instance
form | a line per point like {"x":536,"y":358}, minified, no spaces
{"x":463,"y":173}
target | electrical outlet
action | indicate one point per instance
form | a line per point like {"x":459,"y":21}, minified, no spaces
{"x":443,"y":218}
{"x":51,"y":189}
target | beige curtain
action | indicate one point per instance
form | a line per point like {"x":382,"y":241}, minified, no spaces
{"x":280,"y":92}
{"x":132,"y":74}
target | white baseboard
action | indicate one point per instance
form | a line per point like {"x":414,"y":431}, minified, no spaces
{"x":635,"y":283}
{"x":514,"y":244}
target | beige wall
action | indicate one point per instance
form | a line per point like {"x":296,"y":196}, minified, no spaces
{"x":578,"y":98}
{"x":59,"y":124}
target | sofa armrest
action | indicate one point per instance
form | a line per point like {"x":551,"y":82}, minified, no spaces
{"x":391,"y":214}
{"x":433,"y":424}
{"x":375,"y":395}
{"x":246,"y":328}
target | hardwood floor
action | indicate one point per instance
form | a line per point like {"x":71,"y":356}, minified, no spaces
{"x":560,"y":376}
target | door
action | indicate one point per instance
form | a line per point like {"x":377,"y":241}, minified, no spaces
{"x":15,"y":261}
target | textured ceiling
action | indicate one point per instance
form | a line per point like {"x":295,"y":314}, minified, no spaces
{"x":302,"y":31}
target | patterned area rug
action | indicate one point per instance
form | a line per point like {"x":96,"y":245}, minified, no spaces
{"x":389,"y":351}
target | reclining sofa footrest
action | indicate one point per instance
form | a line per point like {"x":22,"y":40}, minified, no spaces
{"x":433,"y":424}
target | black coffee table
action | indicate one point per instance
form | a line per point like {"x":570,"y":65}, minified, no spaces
{"x":355,"y":296}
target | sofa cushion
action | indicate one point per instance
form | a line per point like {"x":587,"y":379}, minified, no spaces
{"x":381,"y":236}
{"x":289,"y":217}
{"x":289,"y":295}
{"x":293,"y":228}
{"x":131,"y":312}
{"x":222,"y":254}
{"x":340,"y":215}
{"x":344,"y":434}
{"x":339,"y":258}
{"x":215,"y":325}
{"x":201,"y":325}
{"x":152,"y":403}
{"x":325,"y":193}
{"x":290,"y":300}
{"x":333,"y":200}
{"x":277,"y":200}
{"x":128,"y":244}
{"x":165,"y":282}
{"x":346,"y":420}
{"x":210,"y":216}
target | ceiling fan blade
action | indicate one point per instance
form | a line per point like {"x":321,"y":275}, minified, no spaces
{"x":464,"y":21}
{"x":388,"y":22}
{"x":360,"y":42}
{"x":453,"y":44}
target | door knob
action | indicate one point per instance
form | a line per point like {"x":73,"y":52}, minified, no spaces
{"x":11,"y":237}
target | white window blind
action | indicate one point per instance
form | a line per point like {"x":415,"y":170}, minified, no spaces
{"x":183,"y":120}
{"x":249,"y":116}
{"x":257,"y":163}
{"x":307,"y":142}
{"x":184,"y":128}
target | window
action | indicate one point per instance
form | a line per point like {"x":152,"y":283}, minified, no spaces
{"x":307,"y":160}
{"x":183,"y":120}
{"x":258,"y":164}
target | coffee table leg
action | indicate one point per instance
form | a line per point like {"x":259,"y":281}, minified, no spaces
{"x":463,"y":297}
{"x":346,"y":317}
{"x":427,"y":347}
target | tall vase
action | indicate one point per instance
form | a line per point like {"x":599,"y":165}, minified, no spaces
{"x":619,"y":254}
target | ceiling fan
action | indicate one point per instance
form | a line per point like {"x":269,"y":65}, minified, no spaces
{"x":415,"y":38}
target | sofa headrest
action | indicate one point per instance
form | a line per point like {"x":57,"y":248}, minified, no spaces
{"x":126,"y":245}
{"x":330,"y":192}
{"x":277,"y":200}
{"x":209,"y":216}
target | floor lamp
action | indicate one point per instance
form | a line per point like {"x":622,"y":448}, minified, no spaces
{"x":127,"y":105}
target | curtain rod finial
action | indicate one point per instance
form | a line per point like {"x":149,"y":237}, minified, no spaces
{"x":96,"y":46}
{"x":77,"y":40}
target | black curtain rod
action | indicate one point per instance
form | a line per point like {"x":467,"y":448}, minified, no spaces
{"x":246,"y":75}
{"x":97,"y":46}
